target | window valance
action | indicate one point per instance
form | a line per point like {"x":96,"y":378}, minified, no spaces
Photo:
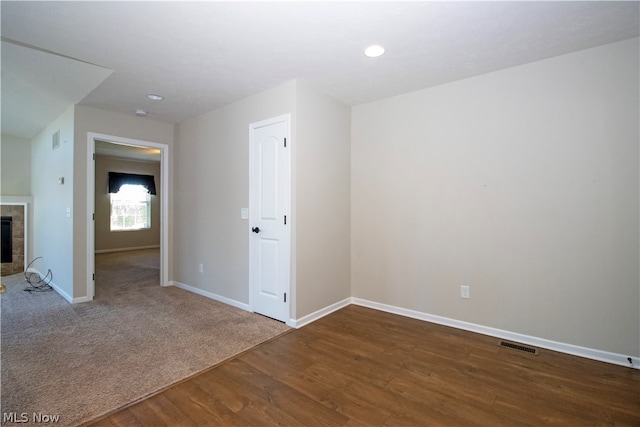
{"x":118,"y":179}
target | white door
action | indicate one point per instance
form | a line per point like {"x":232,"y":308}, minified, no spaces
{"x":270,"y":221}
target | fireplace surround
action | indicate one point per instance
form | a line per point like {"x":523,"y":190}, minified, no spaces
{"x":13,"y":262}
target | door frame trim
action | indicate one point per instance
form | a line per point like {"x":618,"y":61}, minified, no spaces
{"x":290,"y":220}
{"x":164,"y":203}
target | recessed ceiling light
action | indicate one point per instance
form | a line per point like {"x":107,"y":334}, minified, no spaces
{"x":374,"y":51}
{"x":155,"y":97}
{"x":140,"y":112}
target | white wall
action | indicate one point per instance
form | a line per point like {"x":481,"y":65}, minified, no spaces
{"x":323,"y":201}
{"x":211,"y":186}
{"x":522,"y":184}
{"x":87,"y":120}
{"x":107,"y":240}
{"x":15,"y":175}
{"x":53,"y":238}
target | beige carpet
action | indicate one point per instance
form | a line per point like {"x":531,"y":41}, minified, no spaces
{"x":83,"y":360}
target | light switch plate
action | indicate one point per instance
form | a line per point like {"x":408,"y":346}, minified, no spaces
{"x":244,"y":213}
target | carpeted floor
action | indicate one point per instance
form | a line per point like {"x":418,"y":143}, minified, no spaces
{"x":83,"y":360}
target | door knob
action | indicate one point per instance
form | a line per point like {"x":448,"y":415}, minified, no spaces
{"x":255,"y":229}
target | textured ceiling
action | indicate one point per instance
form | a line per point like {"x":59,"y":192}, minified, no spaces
{"x":203,"y":55}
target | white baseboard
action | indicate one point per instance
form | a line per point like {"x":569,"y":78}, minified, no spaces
{"x":66,"y":296}
{"x":62,"y":293}
{"x":136,"y":248}
{"x":211,"y":295}
{"x":589,"y":353}
{"x":305,"y":320}
{"x":57,"y":288}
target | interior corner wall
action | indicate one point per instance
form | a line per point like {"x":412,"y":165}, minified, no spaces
{"x":522,"y":184}
{"x":88,"y":119}
{"x":211,"y":185}
{"x":107,"y":240}
{"x":323,"y":200}
{"x":15,"y":172}
{"x":52,"y":236}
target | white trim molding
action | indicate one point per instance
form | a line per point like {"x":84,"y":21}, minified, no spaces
{"x":574,"y":350}
{"x":211,"y":295}
{"x":59,"y":290}
{"x":589,"y":353}
{"x":164,"y":203}
{"x":309,"y":318}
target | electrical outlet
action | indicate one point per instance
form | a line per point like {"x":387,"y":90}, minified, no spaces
{"x":464,"y":292}
{"x":200,"y":268}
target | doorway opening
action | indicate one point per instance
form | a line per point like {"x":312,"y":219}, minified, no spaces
{"x":113,"y":151}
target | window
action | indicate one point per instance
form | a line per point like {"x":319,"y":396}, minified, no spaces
{"x":131,"y":208}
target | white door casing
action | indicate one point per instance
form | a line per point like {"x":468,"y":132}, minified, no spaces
{"x":270,"y":221}
{"x":164,"y":205}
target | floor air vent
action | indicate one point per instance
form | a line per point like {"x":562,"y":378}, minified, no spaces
{"x":519,"y":347}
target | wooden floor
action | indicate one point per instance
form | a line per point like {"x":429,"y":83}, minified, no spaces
{"x":361,"y":367}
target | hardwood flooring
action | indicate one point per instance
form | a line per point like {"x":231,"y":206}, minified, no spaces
{"x":361,"y":367}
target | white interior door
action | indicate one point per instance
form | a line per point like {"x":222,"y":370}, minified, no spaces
{"x":270,"y":241}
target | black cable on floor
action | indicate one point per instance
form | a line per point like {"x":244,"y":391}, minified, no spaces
{"x":37,"y":283}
